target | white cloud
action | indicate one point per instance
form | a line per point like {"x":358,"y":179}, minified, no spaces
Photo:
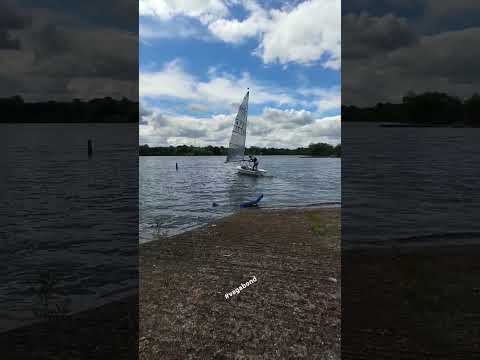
{"x":160,"y":31}
{"x":307,"y":33}
{"x":326,"y":99}
{"x":180,"y":129}
{"x":329,"y":103}
{"x":234,"y":31}
{"x":220,"y":89}
{"x":272,"y":128}
{"x":292,"y":128}
{"x":198,"y":108}
{"x":204,"y":10}
{"x":304,"y":34}
{"x":178,"y":27}
{"x":144,"y":114}
{"x":328,"y":127}
{"x":171,"y":81}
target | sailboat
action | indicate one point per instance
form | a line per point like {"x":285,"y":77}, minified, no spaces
{"x":236,"y":147}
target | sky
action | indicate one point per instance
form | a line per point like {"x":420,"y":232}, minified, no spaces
{"x":392,"y":47}
{"x":198,"y":57}
{"x":73,"y":49}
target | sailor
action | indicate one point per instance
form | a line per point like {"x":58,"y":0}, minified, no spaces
{"x":250,"y":160}
{"x":255,"y":163}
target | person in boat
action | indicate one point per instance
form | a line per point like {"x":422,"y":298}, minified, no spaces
{"x":255,"y":164}
{"x":250,"y":160}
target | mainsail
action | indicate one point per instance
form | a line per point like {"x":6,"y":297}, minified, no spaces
{"x":236,"y":147}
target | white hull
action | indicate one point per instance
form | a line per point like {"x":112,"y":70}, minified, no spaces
{"x":258,"y":172}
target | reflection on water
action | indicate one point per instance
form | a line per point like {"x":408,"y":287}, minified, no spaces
{"x":410,"y":185}
{"x":69,"y":224}
{"x":174,"y":201}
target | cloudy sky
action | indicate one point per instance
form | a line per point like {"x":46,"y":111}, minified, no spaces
{"x":76,"y":49}
{"x":198,"y":57}
{"x":393,"y":46}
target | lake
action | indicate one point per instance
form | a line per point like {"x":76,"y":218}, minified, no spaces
{"x":409,"y":186}
{"x":175,"y":201}
{"x":67,"y":218}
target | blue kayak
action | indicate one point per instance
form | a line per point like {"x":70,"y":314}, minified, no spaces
{"x":252,"y":203}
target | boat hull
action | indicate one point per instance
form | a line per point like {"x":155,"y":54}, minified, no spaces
{"x":258,"y":172}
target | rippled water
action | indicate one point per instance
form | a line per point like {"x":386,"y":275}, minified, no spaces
{"x":410,"y":185}
{"x":174,"y":201}
{"x":66,"y":216}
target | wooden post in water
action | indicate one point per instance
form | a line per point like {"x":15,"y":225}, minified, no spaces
{"x":176,"y":166}
{"x":90,"y":148}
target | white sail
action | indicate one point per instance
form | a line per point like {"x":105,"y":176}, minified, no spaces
{"x":236,"y":147}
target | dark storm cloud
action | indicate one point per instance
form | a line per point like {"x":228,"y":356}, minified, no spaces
{"x":117,"y":13}
{"x":11,"y":19}
{"x":365,"y":36}
{"x":411,"y":8}
{"x":444,"y":55}
{"x":120,"y":14}
{"x":7,"y":41}
{"x":65,"y":54}
{"x":85,"y":52}
{"x":449,"y":15}
{"x":428,"y":48}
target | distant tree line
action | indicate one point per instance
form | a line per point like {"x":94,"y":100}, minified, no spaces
{"x":430,"y":108}
{"x":108,"y":110}
{"x":320,"y":149}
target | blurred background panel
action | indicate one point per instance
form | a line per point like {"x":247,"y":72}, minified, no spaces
{"x":69,"y":179}
{"x":410,"y":232}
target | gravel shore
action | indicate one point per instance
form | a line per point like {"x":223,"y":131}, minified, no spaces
{"x":411,"y":303}
{"x":291,"y":311}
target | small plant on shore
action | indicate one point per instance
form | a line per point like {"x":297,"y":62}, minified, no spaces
{"x":325,"y":228}
{"x":319,"y":227}
{"x":48,"y":309}
{"x":160,"y":232}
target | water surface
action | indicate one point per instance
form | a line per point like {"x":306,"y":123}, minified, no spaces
{"x":66,"y":217}
{"x":174,"y":201}
{"x":415,"y":186}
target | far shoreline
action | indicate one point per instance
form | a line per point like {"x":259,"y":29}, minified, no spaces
{"x":191,"y":155}
{"x":318,"y":149}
